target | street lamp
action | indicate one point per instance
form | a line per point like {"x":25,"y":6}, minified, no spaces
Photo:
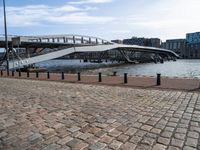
{"x":6,"y":38}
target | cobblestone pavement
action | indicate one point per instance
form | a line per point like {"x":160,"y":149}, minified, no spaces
{"x":50,"y":115}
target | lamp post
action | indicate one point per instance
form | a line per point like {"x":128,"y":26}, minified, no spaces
{"x":6,"y":38}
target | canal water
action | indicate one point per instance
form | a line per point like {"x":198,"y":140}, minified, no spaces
{"x":179,"y":68}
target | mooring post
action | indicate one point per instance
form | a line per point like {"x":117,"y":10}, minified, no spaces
{"x":1,"y":72}
{"x":79,"y":76}
{"x":48,"y":75}
{"x":63,"y":76}
{"x":20,"y":73}
{"x":100,"y":78}
{"x":125,"y":78}
{"x":158,"y":79}
{"x":28,"y":75}
{"x":37,"y":74}
{"x":114,"y":73}
{"x":13,"y":73}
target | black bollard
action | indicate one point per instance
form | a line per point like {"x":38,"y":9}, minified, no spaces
{"x":158,"y":79}
{"x":28,"y":75}
{"x":1,"y":72}
{"x":48,"y":75}
{"x":37,"y":74}
{"x":20,"y":73}
{"x":79,"y":76}
{"x":13,"y":73}
{"x":125,"y":78}
{"x":100,"y":78}
{"x":114,"y":73}
{"x":63,"y":76}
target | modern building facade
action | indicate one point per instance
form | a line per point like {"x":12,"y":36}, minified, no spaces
{"x":117,"y":41}
{"x":176,"y":45}
{"x":152,"y":42}
{"x":193,"y":45}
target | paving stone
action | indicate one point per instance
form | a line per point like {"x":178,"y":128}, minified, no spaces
{"x":34,"y":138}
{"x":159,"y":147}
{"x":97,"y":146}
{"x":74,"y":129}
{"x":52,"y":147}
{"x":123,"y":138}
{"x":115,"y":144}
{"x":146,"y":127}
{"x":164,"y":141}
{"x":65,"y":140}
{"x":167,"y":134}
{"x":177,"y":142}
{"x":180,"y":136}
{"x":173,"y":148}
{"x":131,"y":131}
{"x":115,"y":133}
{"x":135,"y":139}
{"x":188,"y":148}
{"x":194,"y":135}
{"x":191,"y":142}
{"x":128,"y":146}
{"x":106,"y":139}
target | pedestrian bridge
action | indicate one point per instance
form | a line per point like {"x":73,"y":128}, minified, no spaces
{"x":62,"y":45}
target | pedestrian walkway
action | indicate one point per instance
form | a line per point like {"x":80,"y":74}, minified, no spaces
{"x":188,"y":84}
{"x":54,"y":115}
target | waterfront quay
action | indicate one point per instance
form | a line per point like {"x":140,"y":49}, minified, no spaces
{"x":48,"y":115}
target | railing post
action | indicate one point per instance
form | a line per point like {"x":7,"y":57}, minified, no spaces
{"x":158,"y":79}
{"x":1,"y":72}
{"x":79,"y":76}
{"x":125,"y":78}
{"x":63,"y":76}
{"x":100,"y":78}
{"x":37,"y":74}
{"x":13,"y":73}
{"x":48,"y":75}
{"x":28,"y":75}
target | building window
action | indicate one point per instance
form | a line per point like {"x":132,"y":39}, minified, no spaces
{"x":175,"y":45}
{"x":171,"y":45}
{"x":167,"y":47}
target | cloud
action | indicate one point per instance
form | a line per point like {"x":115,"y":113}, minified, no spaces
{"x":38,"y":15}
{"x":90,"y":2}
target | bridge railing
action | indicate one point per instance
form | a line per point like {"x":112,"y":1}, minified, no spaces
{"x":69,"y":39}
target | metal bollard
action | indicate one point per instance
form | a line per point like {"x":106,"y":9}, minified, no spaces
{"x":37,"y":74}
{"x":158,"y":79}
{"x":79,"y":76}
{"x":114,"y":73}
{"x":100,"y":78}
{"x":28,"y":74}
{"x":20,"y":74}
{"x":125,"y":78}
{"x":63,"y":76}
{"x":48,"y":75}
{"x":1,"y":72}
{"x":13,"y":73}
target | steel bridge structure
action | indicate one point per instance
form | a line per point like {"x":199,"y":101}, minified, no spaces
{"x":62,"y":45}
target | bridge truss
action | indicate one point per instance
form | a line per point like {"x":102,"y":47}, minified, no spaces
{"x":27,"y":50}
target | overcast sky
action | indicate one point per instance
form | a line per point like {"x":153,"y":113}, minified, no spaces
{"x":108,"y":19}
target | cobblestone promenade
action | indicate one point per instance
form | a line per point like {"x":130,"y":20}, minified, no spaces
{"x":52,"y":115}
